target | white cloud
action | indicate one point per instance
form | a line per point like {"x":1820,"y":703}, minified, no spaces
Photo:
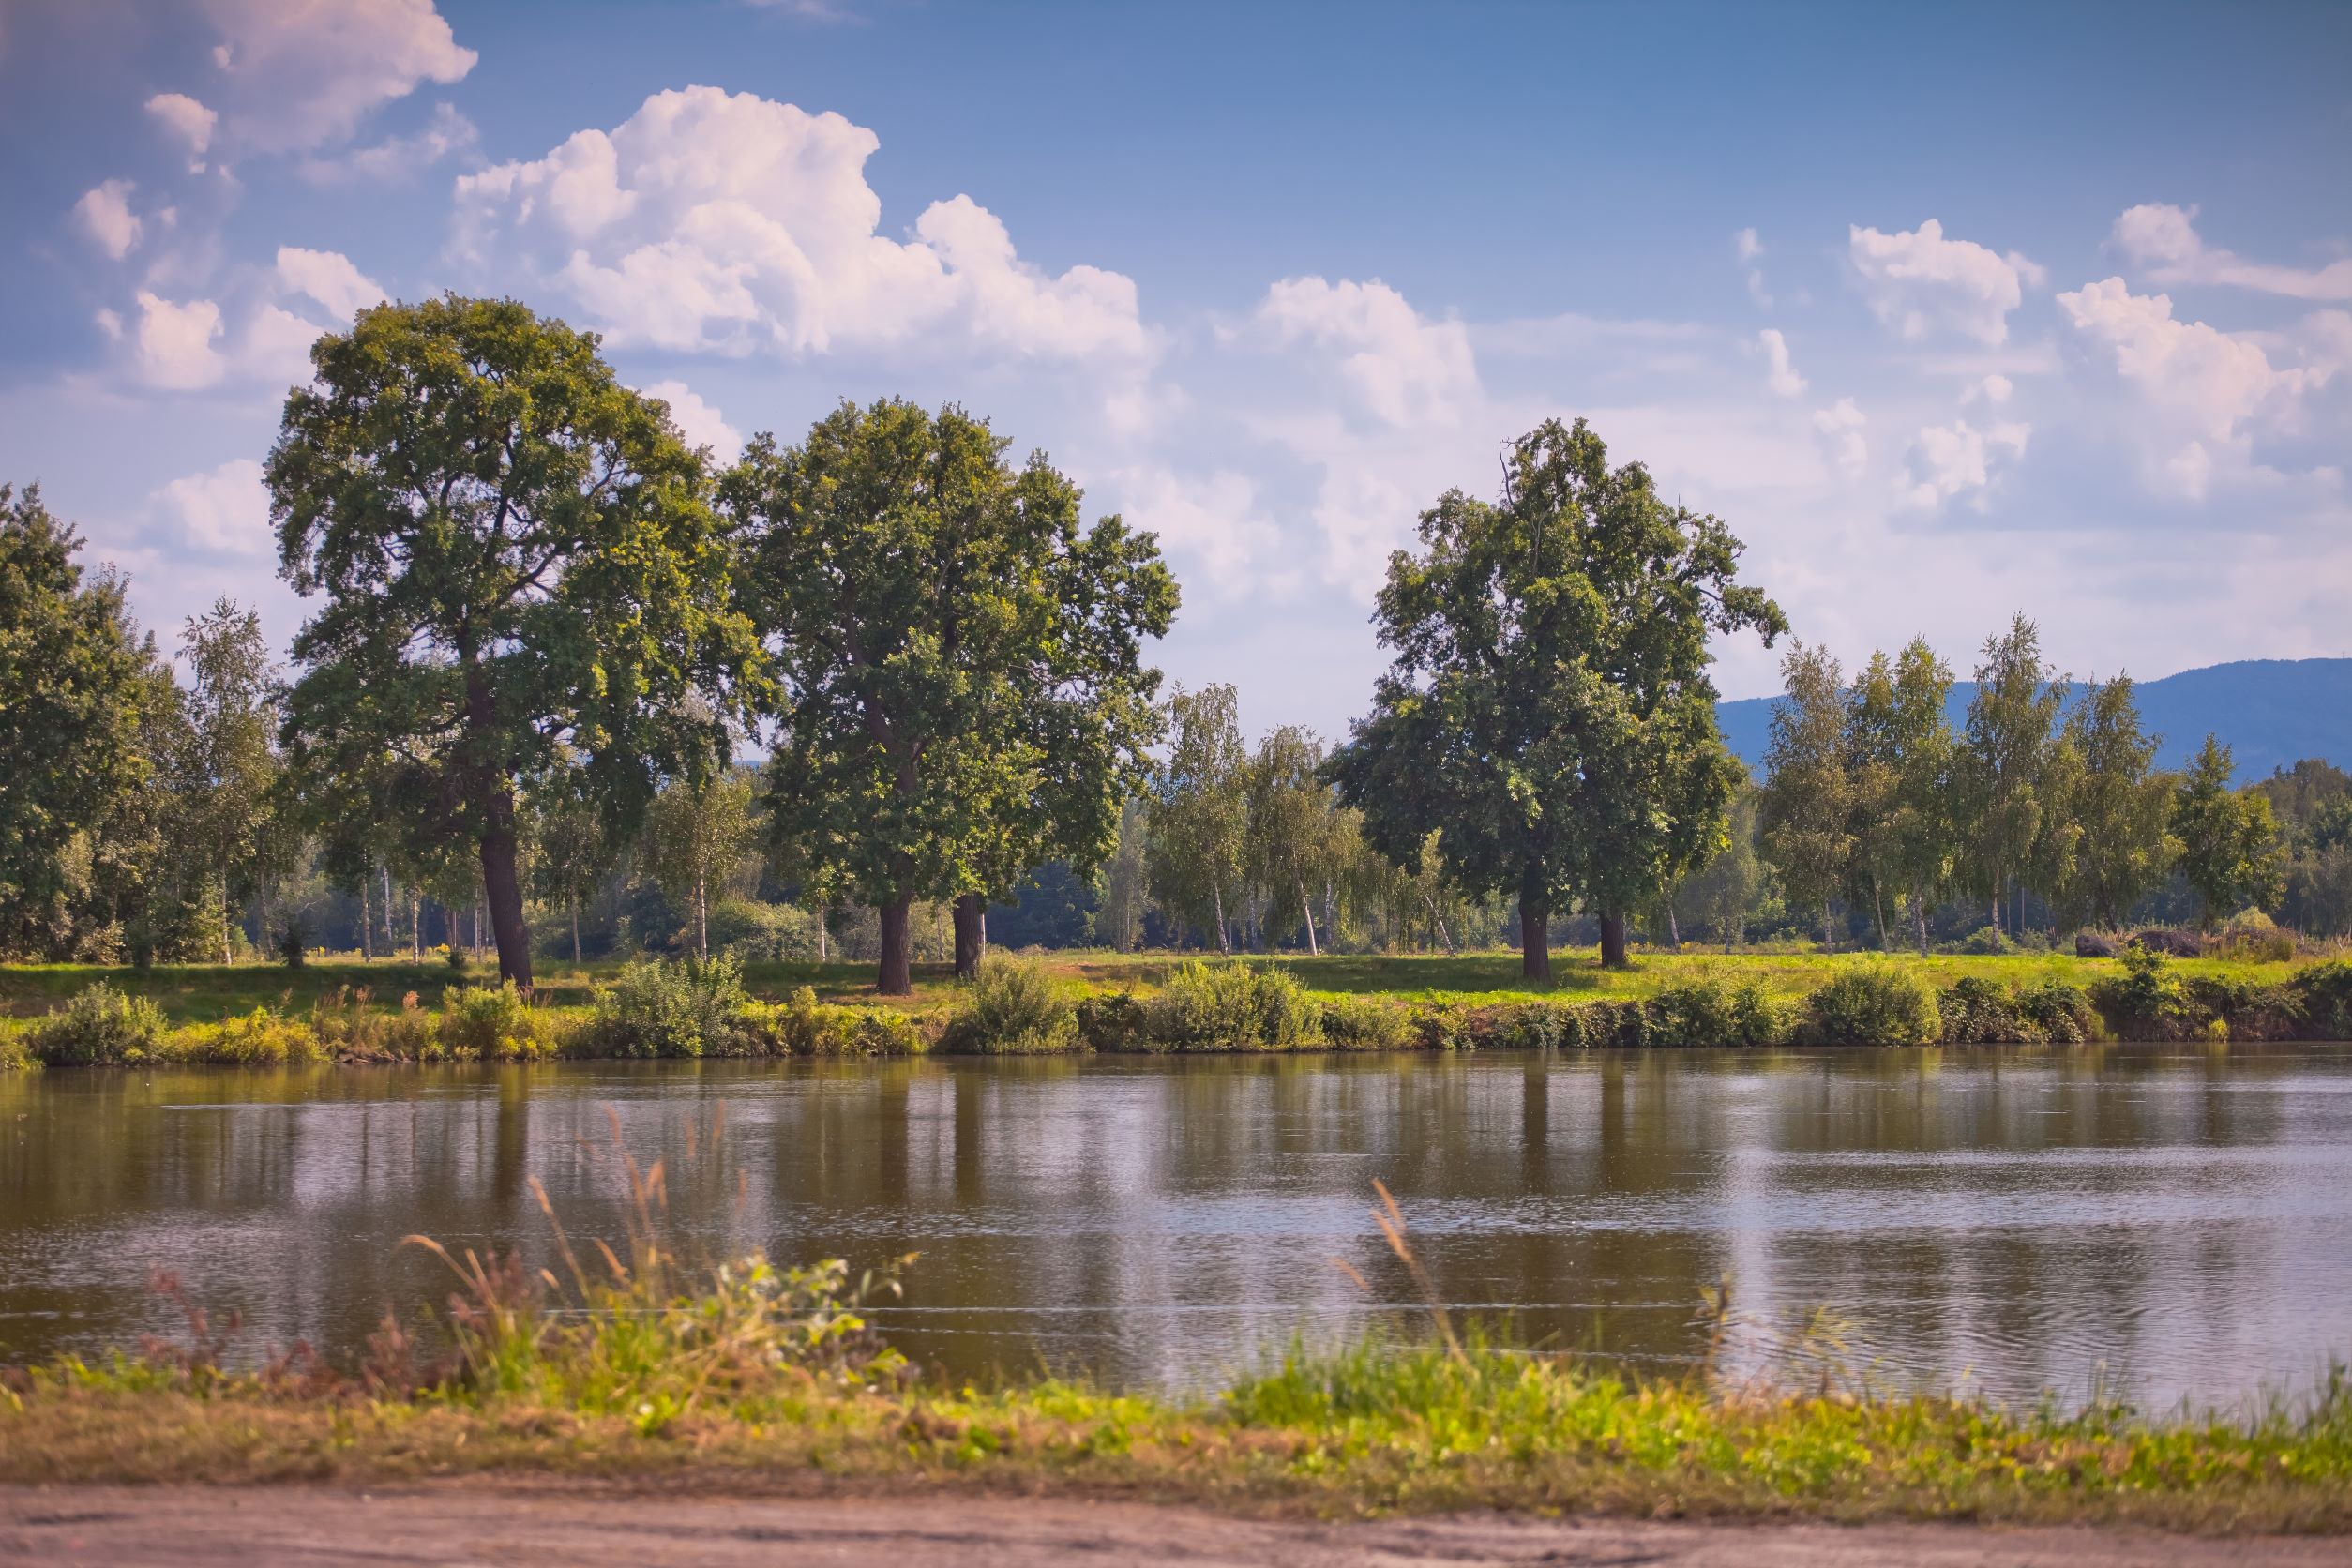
{"x":2163,"y":240}
{"x":1209,"y":524}
{"x":1994,"y":389}
{"x":1402,"y":366}
{"x":1841,"y":426}
{"x":1951,"y":460}
{"x":1781,"y":376}
{"x":1920,"y":282}
{"x":225,"y":509}
{"x":186,"y":121}
{"x":106,"y":218}
{"x":698,"y":421}
{"x":1750,"y":249}
{"x":171,"y":343}
{"x":300,"y":74}
{"x":399,"y":157}
{"x":732,"y":222}
{"x":328,"y":277}
{"x":2198,"y":387}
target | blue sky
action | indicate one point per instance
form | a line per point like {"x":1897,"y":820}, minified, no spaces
{"x":1947,"y":314}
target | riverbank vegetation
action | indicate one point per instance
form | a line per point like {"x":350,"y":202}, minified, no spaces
{"x":1041,"y":1005}
{"x":544,"y":644}
{"x":750,"y":1374}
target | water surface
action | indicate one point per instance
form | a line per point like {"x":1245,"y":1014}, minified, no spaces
{"x":2019,"y":1218}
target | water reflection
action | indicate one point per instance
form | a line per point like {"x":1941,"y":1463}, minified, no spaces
{"x":2017,"y":1217}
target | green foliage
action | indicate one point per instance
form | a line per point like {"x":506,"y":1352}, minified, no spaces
{"x":1549,"y":710}
{"x":2147,"y":995}
{"x":671,"y":1010}
{"x":1980,"y":1011}
{"x":963,"y":660}
{"x":492,"y":1023}
{"x":2002,"y":781}
{"x":79,"y":686}
{"x":1875,"y":1003}
{"x":805,"y":1027}
{"x":1366,"y":1023}
{"x":2324,"y":997}
{"x":292,"y":942}
{"x":524,"y":579}
{"x":100,"y":1026}
{"x":1198,"y":811}
{"x":1713,"y":1012}
{"x":2122,"y":805}
{"x":2229,"y":847}
{"x":696,"y":835}
{"x":1807,"y":813}
{"x":1221,"y":1007}
{"x":1015,"y":1007}
{"x":756,"y":931}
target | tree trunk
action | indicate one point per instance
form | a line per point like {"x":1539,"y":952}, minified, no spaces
{"x":824,"y":951}
{"x":1443,"y":935}
{"x":367,"y":925}
{"x":503,"y":887}
{"x":1829,"y":938}
{"x":971,"y":935}
{"x":1613,"y":940}
{"x":702,"y":916}
{"x":576,"y":958}
{"x":227,"y":926}
{"x":391,"y":933}
{"x":1879,"y":902}
{"x":1535,"y":925}
{"x":1307,"y":910}
{"x":898,"y":969}
{"x":415,"y":926}
{"x":1674,"y":928}
{"x":1919,"y":919}
{"x":1225,"y":944}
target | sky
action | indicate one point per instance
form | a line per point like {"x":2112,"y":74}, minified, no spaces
{"x":1948,"y":313}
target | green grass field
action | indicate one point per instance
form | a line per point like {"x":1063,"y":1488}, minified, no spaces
{"x":199,"y":993}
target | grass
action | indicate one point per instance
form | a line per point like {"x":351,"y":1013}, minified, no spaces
{"x":747,"y":1375}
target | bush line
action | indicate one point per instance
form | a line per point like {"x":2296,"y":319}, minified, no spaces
{"x":692,"y":1010}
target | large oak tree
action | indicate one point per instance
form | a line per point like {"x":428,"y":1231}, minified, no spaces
{"x":965,"y":696}
{"x":1549,"y":710}
{"x":522,"y":572}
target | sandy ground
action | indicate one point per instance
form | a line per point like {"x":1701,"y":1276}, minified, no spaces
{"x":592,"y":1527}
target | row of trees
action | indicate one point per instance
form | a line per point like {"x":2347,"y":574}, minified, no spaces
{"x":1873,"y":798}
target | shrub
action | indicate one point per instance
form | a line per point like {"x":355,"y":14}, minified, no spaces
{"x":805,"y":1027}
{"x":14,"y":1056}
{"x":1977,"y":1011}
{"x":1709,"y":1011}
{"x":257,"y":1039}
{"x":2323,"y":995}
{"x":1366,"y":1023}
{"x":2252,"y":935}
{"x":760,"y":932}
{"x":1015,"y":1007}
{"x":493,"y":1023}
{"x":291,"y":949}
{"x":1232,"y":1007}
{"x":1987,"y":942}
{"x":1113,"y":1020}
{"x":2145,"y":997}
{"x":99,"y":1025}
{"x":1873,"y":1005}
{"x":672,"y":1009}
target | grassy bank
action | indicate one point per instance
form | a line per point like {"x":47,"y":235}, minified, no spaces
{"x":1076,"y":1002}
{"x":748,"y":1375}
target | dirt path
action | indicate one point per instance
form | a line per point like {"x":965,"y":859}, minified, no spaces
{"x":197,"y":1527}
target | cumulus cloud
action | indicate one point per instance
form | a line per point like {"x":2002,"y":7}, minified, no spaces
{"x":328,"y":277}
{"x":106,"y":219}
{"x":171,"y":343}
{"x":447,"y":134}
{"x":1401,"y":366}
{"x":1210,"y":525}
{"x":185,"y":345}
{"x":2199,"y":388}
{"x":727,"y":221}
{"x":1948,"y":461}
{"x":1840,"y":425}
{"x":1780,"y":375}
{"x":2162,"y":241}
{"x":301,"y":74}
{"x":1994,"y":388}
{"x":224,"y":510}
{"x":698,"y":421}
{"x":1919,"y":282}
{"x":186,"y":121}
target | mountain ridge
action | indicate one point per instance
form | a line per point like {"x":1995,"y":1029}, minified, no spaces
{"x":2270,"y":711}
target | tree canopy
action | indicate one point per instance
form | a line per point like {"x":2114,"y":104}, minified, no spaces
{"x":521,"y":571}
{"x":1548,"y":711}
{"x":965,"y":696}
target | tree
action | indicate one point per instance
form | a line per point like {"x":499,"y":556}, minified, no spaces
{"x":965,"y":692}
{"x":2121,"y":807}
{"x":570,"y":852}
{"x":1918,"y":738}
{"x":2229,"y":849}
{"x":696,"y":835}
{"x":1293,"y":838}
{"x":1197,"y":812}
{"x":1722,"y":891}
{"x":1548,"y":709}
{"x":1122,"y":886}
{"x":2001,"y":766}
{"x":1807,"y":808}
{"x":76,"y":680}
{"x":520,"y":567}
{"x":227,"y":772}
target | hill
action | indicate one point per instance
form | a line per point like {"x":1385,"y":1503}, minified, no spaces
{"x":2269,"y":712}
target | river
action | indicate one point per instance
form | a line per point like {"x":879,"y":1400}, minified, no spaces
{"x":2168,"y":1223}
